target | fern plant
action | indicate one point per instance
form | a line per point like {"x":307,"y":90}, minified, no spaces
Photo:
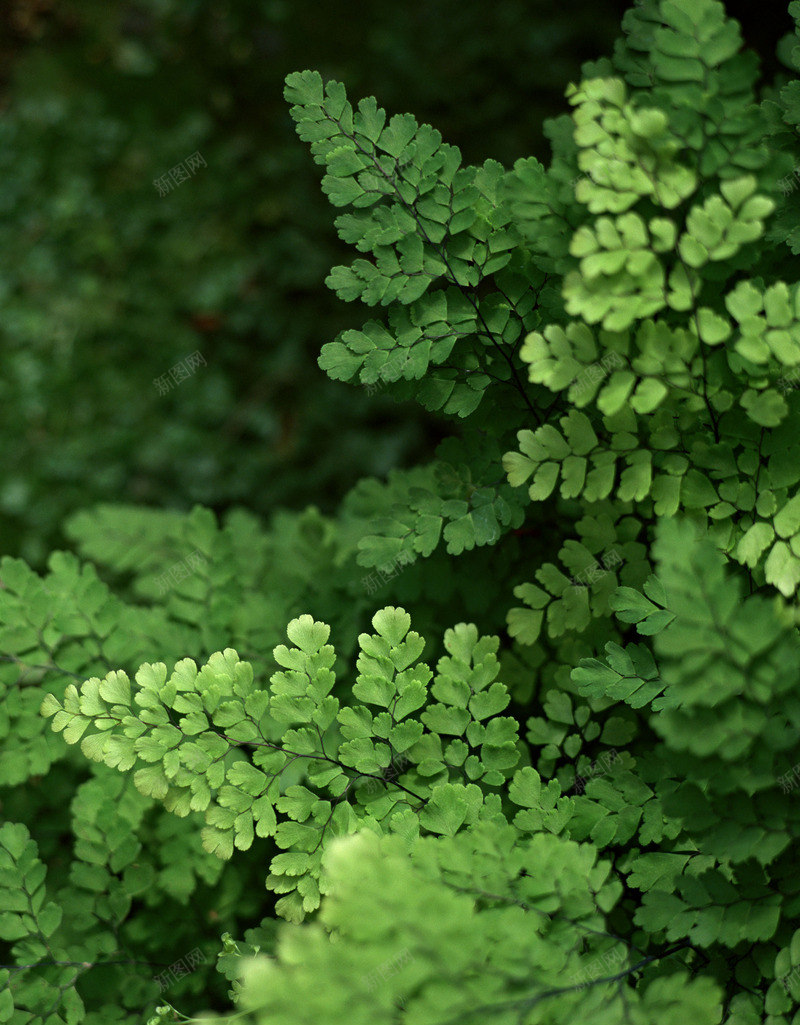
{"x":555,"y":781}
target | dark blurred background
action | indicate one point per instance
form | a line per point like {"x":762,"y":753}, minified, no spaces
{"x":108,"y":287}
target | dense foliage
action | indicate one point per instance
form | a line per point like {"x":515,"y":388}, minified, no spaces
{"x":510,"y":736}
{"x":107,"y":282}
